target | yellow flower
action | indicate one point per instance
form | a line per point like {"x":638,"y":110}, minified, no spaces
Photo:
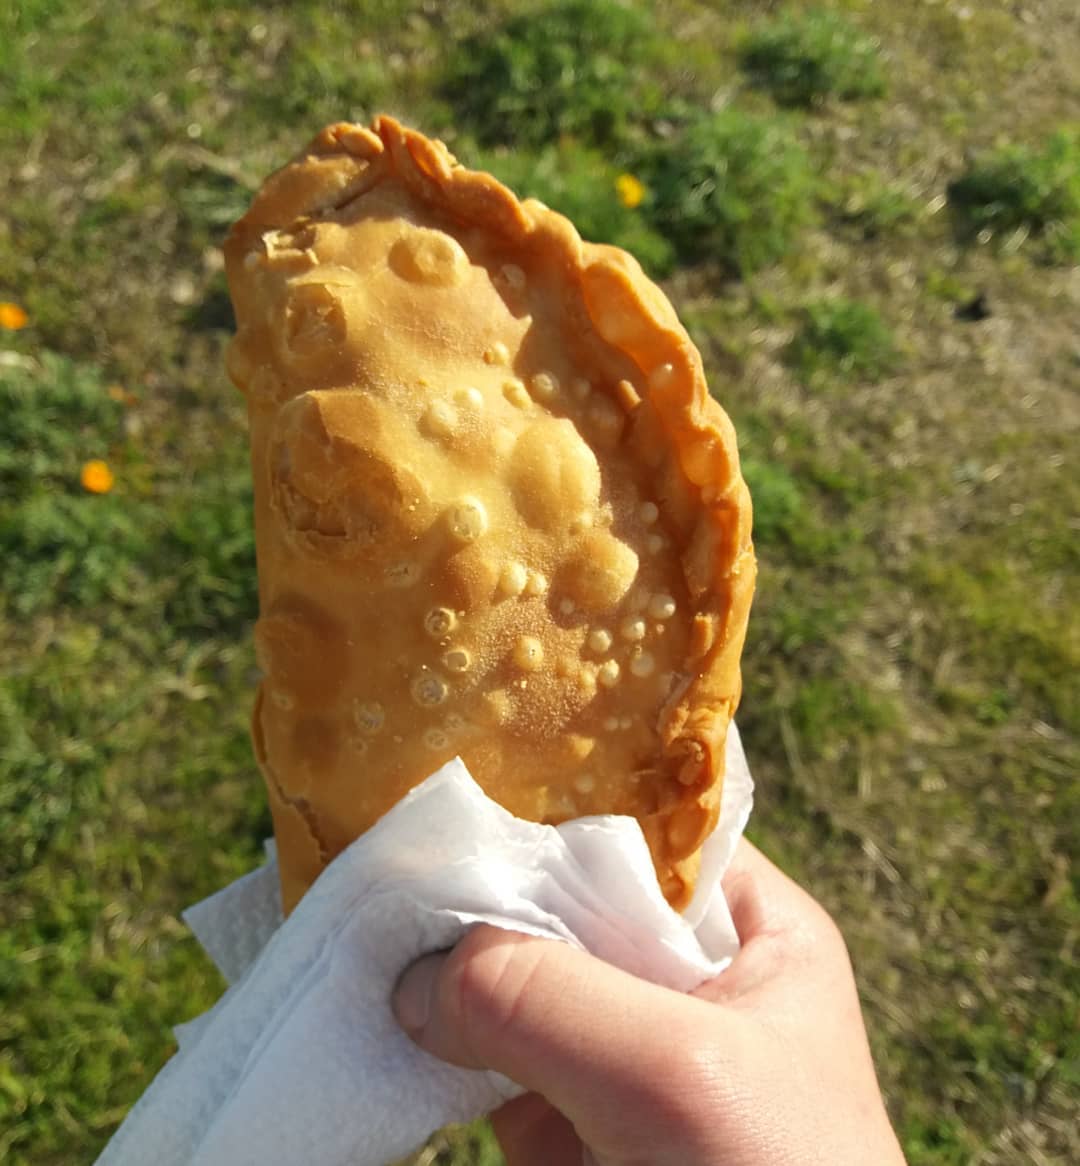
{"x":12,"y":317}
{"x":97,"y":477}
{"x":119,"y":394}
{"x":631,"y":190}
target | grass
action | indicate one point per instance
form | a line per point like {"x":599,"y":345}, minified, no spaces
{"x":731,"y":188}
{"x":572,"y":68}
{"x":806,"y":57}
{"x":841,"y":339}
{"x":1016,"y":192}
{"x":910,"y":705}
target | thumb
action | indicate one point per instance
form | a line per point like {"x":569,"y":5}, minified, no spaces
{"x":598,"y":1043}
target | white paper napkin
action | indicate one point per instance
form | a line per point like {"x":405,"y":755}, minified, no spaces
{"x":301,"y":1060}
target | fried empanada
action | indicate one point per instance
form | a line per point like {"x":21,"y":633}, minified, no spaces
{"x":497,"y":513}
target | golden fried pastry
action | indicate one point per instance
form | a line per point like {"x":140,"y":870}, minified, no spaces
{"x":497,"y":513}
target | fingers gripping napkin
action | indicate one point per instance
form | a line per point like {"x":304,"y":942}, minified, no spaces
{"x":301,"y":1061}
{"x":497,"y":513}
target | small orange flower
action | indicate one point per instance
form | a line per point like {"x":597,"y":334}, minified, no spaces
{"x":12,"y":317}
{"x":631,"y":190}
{"x":96,"y":477}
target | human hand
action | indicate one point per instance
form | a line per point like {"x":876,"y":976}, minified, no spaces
{"x":766,"y":1065}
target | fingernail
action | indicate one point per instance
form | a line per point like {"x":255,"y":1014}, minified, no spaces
{"x":415,"y":994}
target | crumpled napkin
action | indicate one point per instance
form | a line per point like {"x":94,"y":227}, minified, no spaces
{"x":301,"y":1059}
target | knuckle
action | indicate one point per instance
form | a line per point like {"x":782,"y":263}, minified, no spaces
{"x":488,"y":981}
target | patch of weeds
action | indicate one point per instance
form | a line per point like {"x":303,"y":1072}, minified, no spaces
{"x":878,"y":209}
{"x":208,"y":545}
{"x":580,"y":183}
{"x":778,"y":502}
{"x":209,"y":202}
{"x":185,"y":545}
{"x":841,"y":338}
{"x":1024,"y":192}
{"x":806,"y":57}
{"x":830,"y":711}
{"x":572,"y":67}
{"x":943,"y":285}
{"x":55,"y":721}
{"x":56,"y":415}
{"x":323,"y":79}
{"x":730,"y":187}
{"x":1028,"y":648}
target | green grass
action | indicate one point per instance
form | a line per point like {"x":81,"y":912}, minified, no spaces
{"x":804,"y":58}
{"x":564,"y":68}
{"x":731,"y":188}
{"x":580,"y":183}
{"x":910,"y":706}
{"x":841,"y":339}
{"x":1016,"y":191}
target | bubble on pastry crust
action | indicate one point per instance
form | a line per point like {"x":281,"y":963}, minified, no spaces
{"x":611,"y":724}
{"x":439,"y":419}
{"x":654,"y":544}
{"x":600,"y":640}
{"x":498,"y":353}
{"x":608,"y":673}
{"x":515,"y":392}
{"x":648,"y":512}
{"x":633,"y":629}
{"x":430,"y":257}
{"x":439,"y":622}
{"x":544,"y":386}
{"x":282,"y":700}
{"x":528,"y":653}
{"x":553,"y":474}
{"x":469,"y":397}
{"x":537,"y":584}
{"x":369,"y":716}
{"x":566,"y":607}
{"x":580,"y":387}
{"x":661,"y":606}
{"x":404,"y":574}
{"x":468,"y":519}
{"x":662,"y":376}
{"x":436,"y":739}
{"x":626,"y":722}
{"x":429,"y":689}
{"x":586,"y":678}
{"x":454,"y":723}
{"x":513,"y":579}
{"x":314,"y":322}
{"x":457,"y":660}
{"x":599,"y":572}
{"x":357,"y":744}
{"x":698,"y":462}
{"x":514,"y":276}
{"x":584,"y":783}
{"x":642,"y":665}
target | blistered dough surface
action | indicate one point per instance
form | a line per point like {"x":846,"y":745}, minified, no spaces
{"x":497,"y":514}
